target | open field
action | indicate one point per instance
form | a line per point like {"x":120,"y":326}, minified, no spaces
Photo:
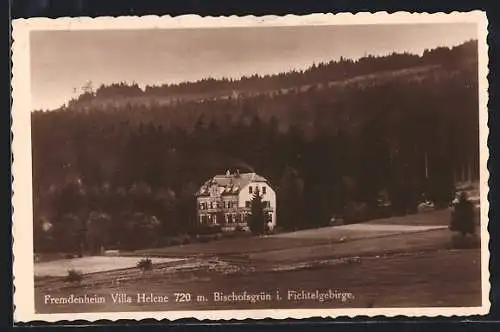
{"x":86,"y":265}
{"x":285,"y":246}
{"x":440,"y":278}
{"x":308,"y":238}
{"x":385,"y":265}
{"x":438,"y":217}
{"x":391,"y":244}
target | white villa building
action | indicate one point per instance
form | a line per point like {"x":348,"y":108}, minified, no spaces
{"x":225,"y":200}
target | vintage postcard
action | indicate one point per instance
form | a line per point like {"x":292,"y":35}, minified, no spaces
{"x":250,"y":167}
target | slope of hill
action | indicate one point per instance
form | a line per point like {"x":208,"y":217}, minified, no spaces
{"x":329,"y":144}
{"x":344,"y":70}
{"x":145,"y":100}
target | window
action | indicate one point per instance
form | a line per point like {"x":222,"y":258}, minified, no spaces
{"x":247,"y":204}
{"x":264,"y":190}
{"x":250,"y":189}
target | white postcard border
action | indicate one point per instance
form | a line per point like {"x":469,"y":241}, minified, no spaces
{"x":22,"y":228}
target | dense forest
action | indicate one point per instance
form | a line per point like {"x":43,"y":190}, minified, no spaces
{"x":336,"y":139}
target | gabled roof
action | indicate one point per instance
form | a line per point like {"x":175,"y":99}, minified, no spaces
{"x":231,"y":183}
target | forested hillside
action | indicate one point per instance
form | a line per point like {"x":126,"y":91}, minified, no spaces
{"x":121,"y":161}
{"x":120,"y":94}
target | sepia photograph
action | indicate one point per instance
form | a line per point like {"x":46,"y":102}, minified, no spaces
{"x":322,"y":165}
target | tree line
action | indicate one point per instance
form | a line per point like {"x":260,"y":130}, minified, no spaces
{"x":126,"y":176}
{"x":321,"y":73}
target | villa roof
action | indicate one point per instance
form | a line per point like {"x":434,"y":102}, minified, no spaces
{"x":231,"y":183}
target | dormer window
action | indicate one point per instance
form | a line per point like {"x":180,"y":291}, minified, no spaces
{"x":263,"y":189}
{"x":250,"y":191}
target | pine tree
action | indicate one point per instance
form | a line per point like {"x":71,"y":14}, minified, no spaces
{"x":257,"y":220}
{"x":290,"y":200}
{"x":463,"y":216}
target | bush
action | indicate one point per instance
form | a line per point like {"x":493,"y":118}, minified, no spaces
{"x":176,"y":241}
{"x":74,"y":276}
{"x":355,"y":212}
{"x":186,"y":240}
{"x":164,"y":242}
{"x":462,"y":218}
{"x":208,"y":230}
{"x":277,"y":230}
{"x":239,"y":229}
{"x":145,"y":264}
{"x":205,"y":238}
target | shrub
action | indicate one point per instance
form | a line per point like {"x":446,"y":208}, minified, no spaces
{"x":237,"y":235}
{"x":208,"y":230}
{"x":74,"y":276}
{"x":186,"y":240}
{"x":209,"y":237}
{"x":462,"y":219}
{"x":355,"y":212}
{"x":145,"y":264}
{"x":277,"y":230}
{"x":204,"y":239}
{"x":165,"y":242}
{"x":176,"y":241}
{"x":239,"y":229}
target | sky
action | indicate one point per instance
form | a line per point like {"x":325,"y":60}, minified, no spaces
{"x":62,"y":61}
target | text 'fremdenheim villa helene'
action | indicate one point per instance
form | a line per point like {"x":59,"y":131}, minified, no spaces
{"x":225,"y":200}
